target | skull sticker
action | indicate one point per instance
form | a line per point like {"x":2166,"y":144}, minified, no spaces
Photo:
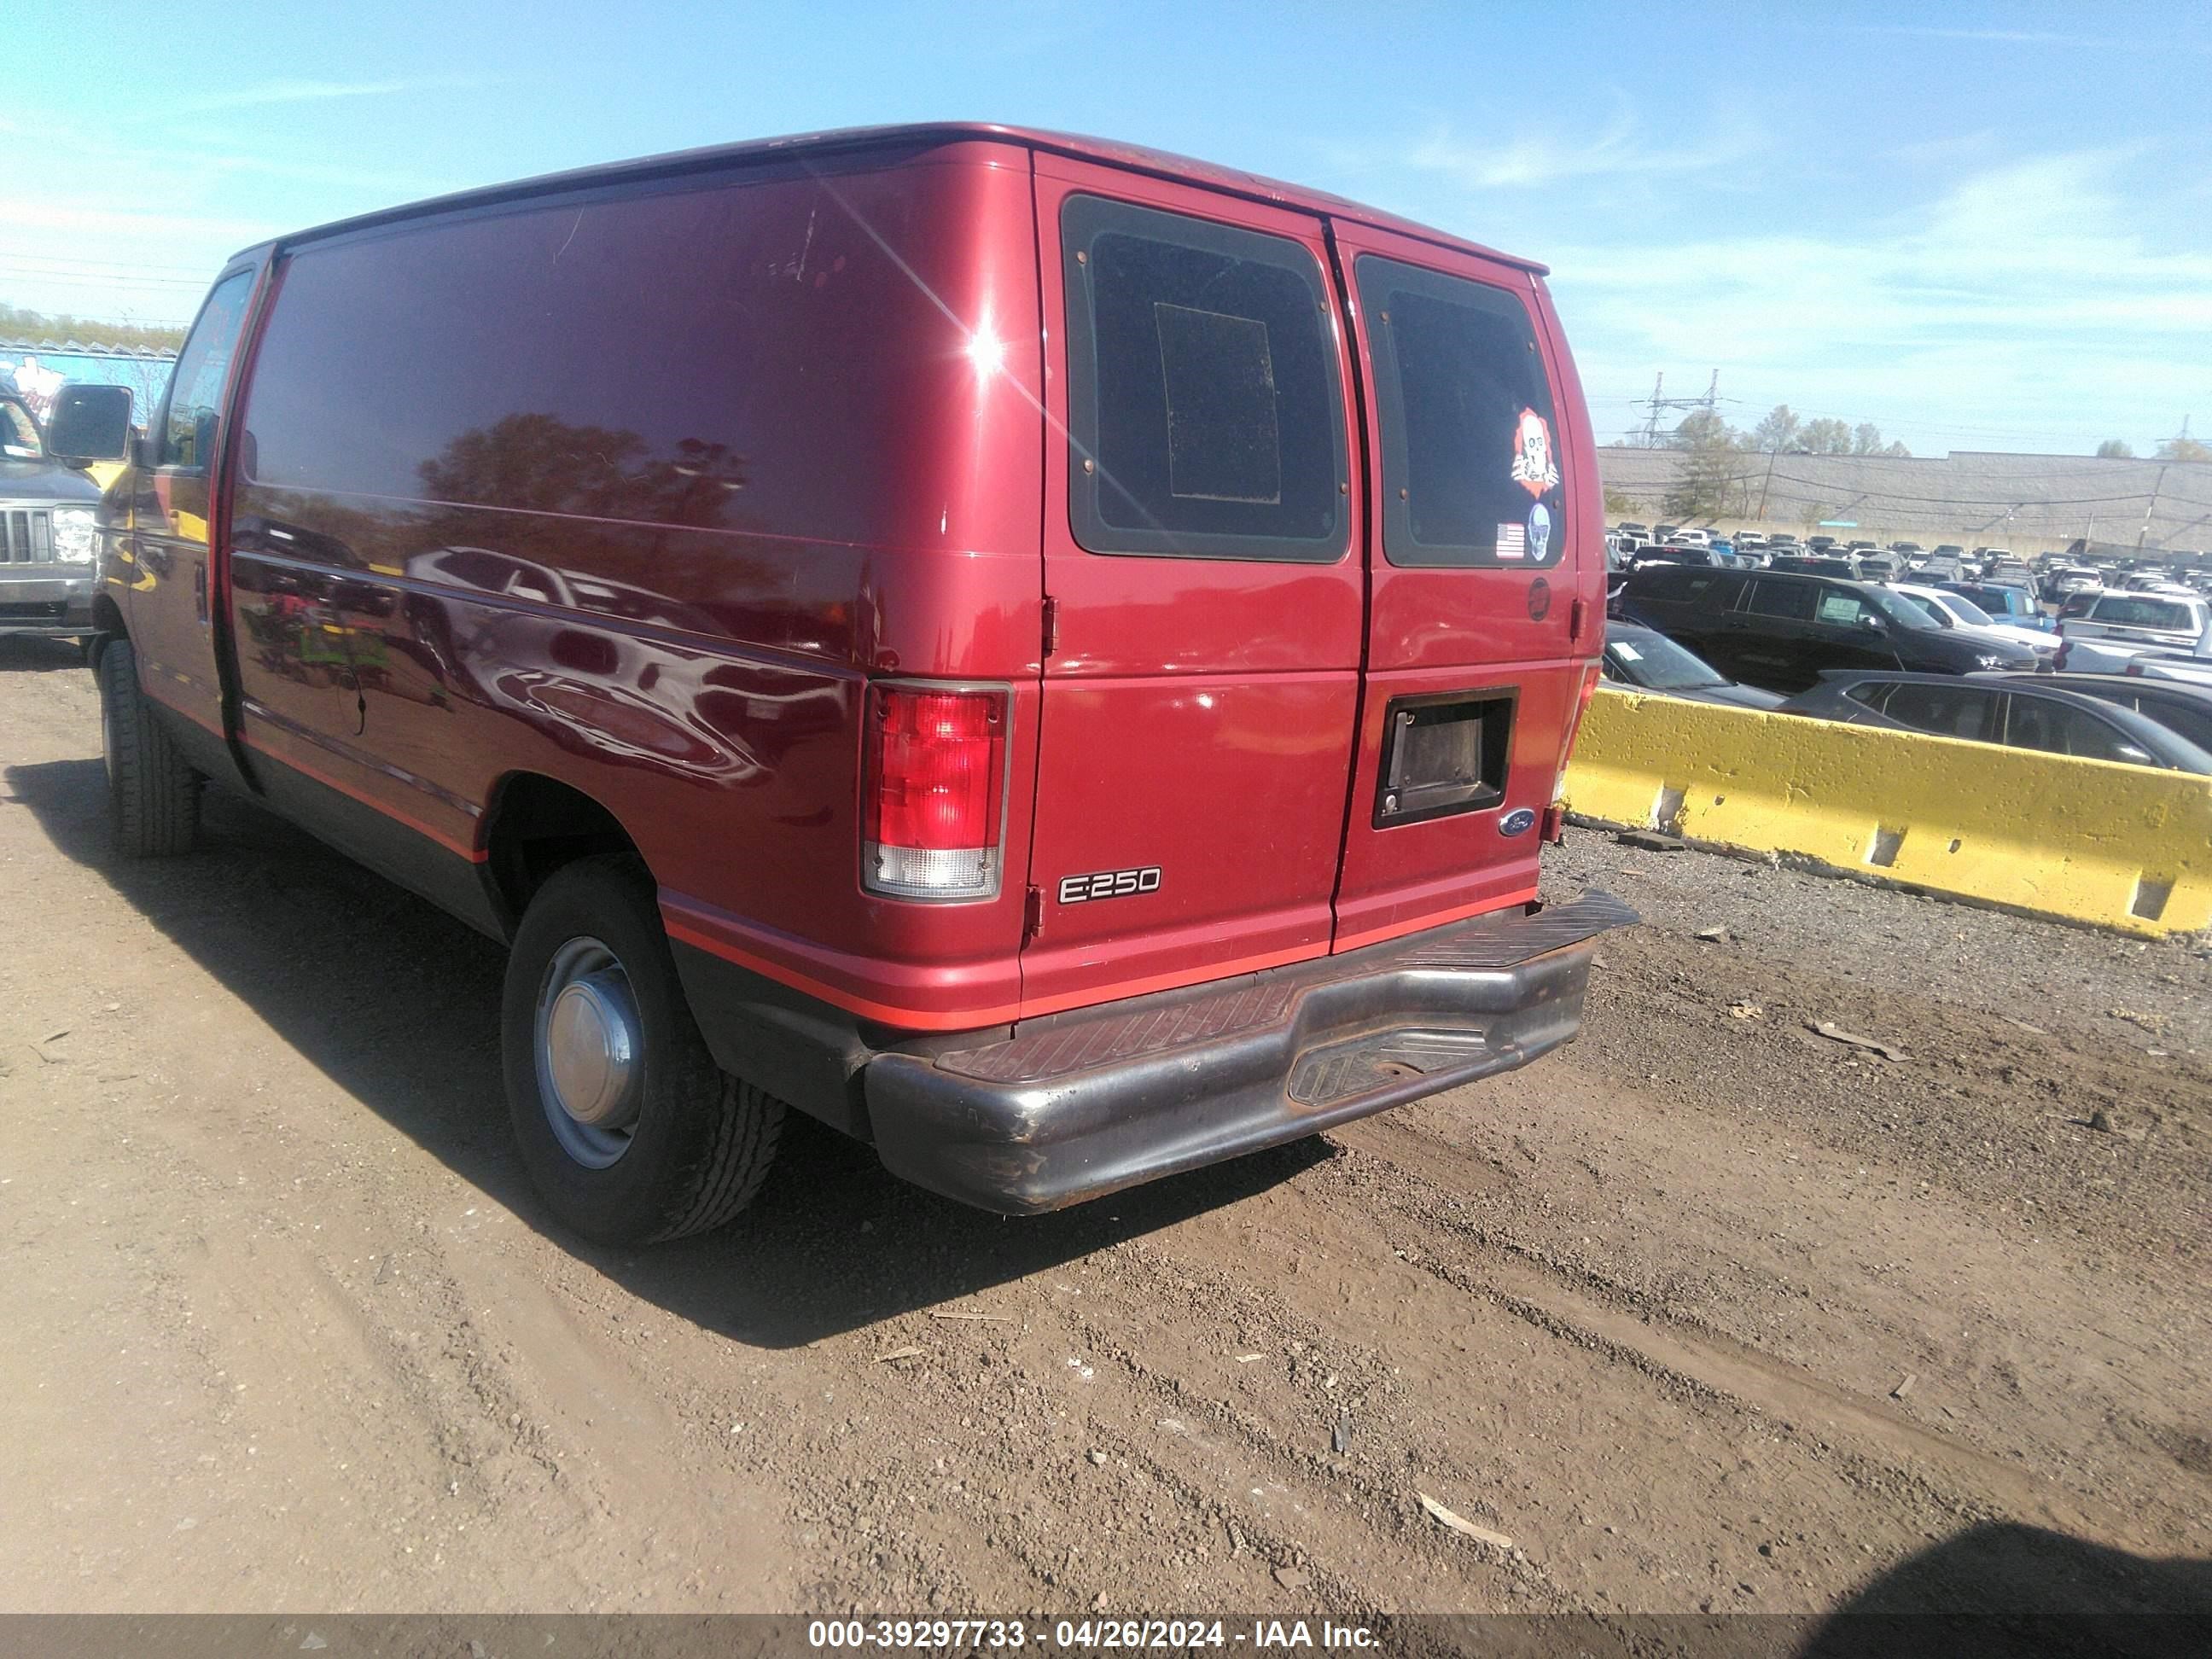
{"x":1534,"y":468}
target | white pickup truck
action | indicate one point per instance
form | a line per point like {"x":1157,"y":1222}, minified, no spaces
{"x":2125,"y":633}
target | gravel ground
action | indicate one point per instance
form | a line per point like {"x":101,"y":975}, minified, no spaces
{"x":1706,"y":1312}
{"x":1922,"y":945}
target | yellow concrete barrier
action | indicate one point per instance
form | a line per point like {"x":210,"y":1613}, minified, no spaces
{"x":2125,"y":847}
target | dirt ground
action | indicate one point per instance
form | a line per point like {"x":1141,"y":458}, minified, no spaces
{"x":1704,"y":1312}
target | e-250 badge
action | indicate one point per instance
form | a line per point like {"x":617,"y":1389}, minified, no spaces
{"x":1110,"y":884}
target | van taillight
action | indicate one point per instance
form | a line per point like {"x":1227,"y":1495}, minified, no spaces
{"x":936,"y":792}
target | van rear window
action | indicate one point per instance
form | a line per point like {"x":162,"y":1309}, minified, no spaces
{"x":1471,"y":465}
{"x":1204,"y":389}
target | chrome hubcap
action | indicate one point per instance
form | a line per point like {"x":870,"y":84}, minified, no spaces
{"x":589,"y":1052}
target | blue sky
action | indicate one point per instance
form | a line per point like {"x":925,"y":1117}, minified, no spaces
{"x":1977,"y":227}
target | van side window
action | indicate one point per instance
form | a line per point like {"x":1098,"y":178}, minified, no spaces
{"x":1472,"y":469}
{"x":1791,"y":600}
{"x":188,"y":424}
{"x":1204,"y":389}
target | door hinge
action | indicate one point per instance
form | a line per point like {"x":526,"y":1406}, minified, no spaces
{"x":1051,"y":624}
{"x":1577,"y":615}
{"x":1033,"y":914}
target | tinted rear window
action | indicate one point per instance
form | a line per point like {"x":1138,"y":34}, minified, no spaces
{"x":1204,"y":389}
{"x":1685,"y":583}
{"x":2144,"y":613}
{"x":1471,"y":463}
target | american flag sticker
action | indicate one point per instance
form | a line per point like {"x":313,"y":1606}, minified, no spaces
{"x":1512,"y":541}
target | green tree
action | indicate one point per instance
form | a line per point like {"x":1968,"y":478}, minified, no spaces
{"x":1779,"y":432}
{"x":2116,"y":449}
{"x":2185,"y":449}
{"x":1703,"y":429}
{"x":17,"y":323}
{"x":1825,"y":438}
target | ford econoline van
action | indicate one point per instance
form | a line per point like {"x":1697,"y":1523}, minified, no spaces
{"x":1054,"y":658}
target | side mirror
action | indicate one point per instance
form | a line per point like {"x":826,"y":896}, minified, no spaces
{"x":1872,"y":623}
{"x":90,"y":423}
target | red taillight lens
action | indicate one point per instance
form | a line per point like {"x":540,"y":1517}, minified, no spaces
{"x":936,"y":792}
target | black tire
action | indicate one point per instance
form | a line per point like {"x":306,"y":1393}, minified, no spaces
{"x":701,"y":1142}
{"x":153,"y":797}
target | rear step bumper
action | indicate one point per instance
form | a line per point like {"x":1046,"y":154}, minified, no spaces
{"x":1080,"y":1104}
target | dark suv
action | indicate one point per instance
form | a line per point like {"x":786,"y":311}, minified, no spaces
{"x":1780,"y":631}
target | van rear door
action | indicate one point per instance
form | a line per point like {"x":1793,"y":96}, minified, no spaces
{"x":1201,"y":685}
{"x":1485,"y":563}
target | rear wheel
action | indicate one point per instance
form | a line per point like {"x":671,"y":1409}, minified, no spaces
{"x":153,"y":797}
{"x":630,"y":1130}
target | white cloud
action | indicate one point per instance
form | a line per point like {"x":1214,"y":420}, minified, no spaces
{"x":316,"y":92}
{"x":2025,"y":299}
{"x":1623,"y":148}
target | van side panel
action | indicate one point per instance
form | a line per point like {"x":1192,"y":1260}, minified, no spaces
{"x":634,"y":487}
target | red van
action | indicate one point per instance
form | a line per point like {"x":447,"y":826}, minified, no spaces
{"x":1054,"y":659}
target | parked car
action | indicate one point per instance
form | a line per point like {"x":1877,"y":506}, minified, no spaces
{"x":47,"y":541}
{"x":1779,"y":631}
{"x":1951,"y":610}
{"x":867,"y":701}
{"x":2183,"y":709}
{"x":2004,"y":601}
{"x":1877,"y":567}
{"x":1804,"y":564}
{"x":1673,"y":553}
{"x":2018,"y":714}
{"x":2068,"y":580}
{"x":2160,"y":622}
{"x":1648,"y":661}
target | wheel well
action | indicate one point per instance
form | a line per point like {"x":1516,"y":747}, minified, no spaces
{"x":538,"y":824}
{"x":107,"y":620}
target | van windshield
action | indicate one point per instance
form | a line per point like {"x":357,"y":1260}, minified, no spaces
{"x":1471,"y":467}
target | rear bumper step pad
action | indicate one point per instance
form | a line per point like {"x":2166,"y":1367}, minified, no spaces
{"x":1083,"y":1103}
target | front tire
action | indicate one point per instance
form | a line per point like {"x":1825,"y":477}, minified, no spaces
{"x":630,"y":1131}
{"x":153,"y":797}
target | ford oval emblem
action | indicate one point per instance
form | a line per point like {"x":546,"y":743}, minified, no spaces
{"x":1518,"y":822}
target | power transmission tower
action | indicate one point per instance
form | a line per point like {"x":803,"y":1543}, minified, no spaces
{"x":1659,"y":403}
